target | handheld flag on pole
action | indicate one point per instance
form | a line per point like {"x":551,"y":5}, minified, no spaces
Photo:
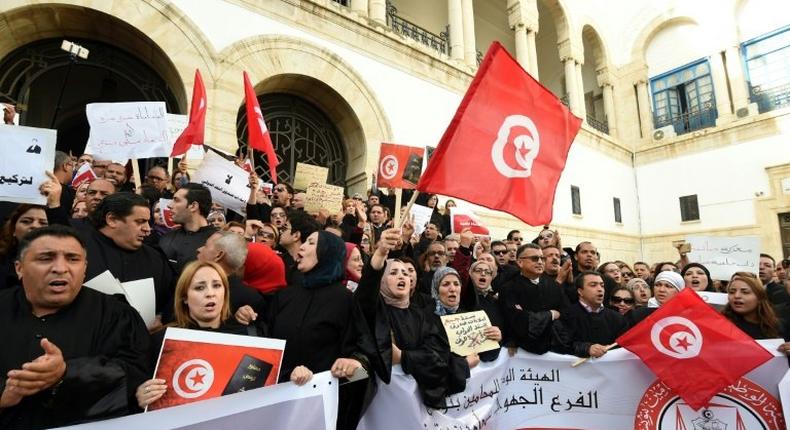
{"x":257,"y":134}
{"x":194,"y":132}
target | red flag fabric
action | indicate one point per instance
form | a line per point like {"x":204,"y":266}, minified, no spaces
{"x":84,"y":174}
{"x":194,"y":132}
{"x":257,"y":134}
{"x":399,"y":166}
{"x":692,"y":348}
{"x":507,"y":144}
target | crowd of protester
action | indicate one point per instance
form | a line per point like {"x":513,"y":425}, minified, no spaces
{"x":345,"y":288}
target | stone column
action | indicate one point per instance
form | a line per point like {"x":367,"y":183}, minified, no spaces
{"x":470,"y":51}
{"x":522,"y":51}
{"x":608,"y":107}
{"x":378,"y":11}
{"x":456,"y":29}
{"x":570,"y":84}
{"x":580,"y":92}
{"x":644,"y":109}
{"x":719,"y":77}
{"x":360,"y":7}
{"x":533,"y":53}
{"x":738,"y":85}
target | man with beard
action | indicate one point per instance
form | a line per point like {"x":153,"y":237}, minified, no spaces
{"x":190,"y":207}
{"x":587,"y":327}
{"x":282,"y":194}
{"x":116,"y":173}
{"x":72,"y":354}
{"x":434,"y":257}
{"x":531,"y":303}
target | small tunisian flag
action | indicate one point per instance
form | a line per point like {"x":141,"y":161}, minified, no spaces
{"x":399,"y":166}
{"x":507,"y":144}
{"x":195,"y":129}
{"x":257,"y":133}
{"x":692,"y":348}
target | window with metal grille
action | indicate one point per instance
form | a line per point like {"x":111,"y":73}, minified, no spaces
{"x":684,"y":99}
{"x":618,"y":215}
{"x":576,"y":201}
{"x":767,"y":61}
{"x":689,"y":208}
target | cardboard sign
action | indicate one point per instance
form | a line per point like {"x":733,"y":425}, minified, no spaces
{"x":128,"y":130}
{"x":199,"y":365}
{"x":400,"y":166}
{"x":461,"y":219}
{"x":28,"y":153}
{"x":465,"y":332}
{"x":307,"y":174}
{"x":229,"y":184}
{"x":323,"y":196}
{"x":723,"y":256}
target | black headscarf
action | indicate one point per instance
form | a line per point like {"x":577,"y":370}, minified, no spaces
{"x":704,"y":269}
{"x":330,"y":252}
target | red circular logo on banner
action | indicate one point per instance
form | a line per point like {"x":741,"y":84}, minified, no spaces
{"x":742,"y":405}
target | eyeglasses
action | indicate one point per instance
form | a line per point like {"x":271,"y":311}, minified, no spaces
{"x":269,"y":236}
{"x":533,"y":258}
{"x":483,"y":272}
{"x":500,"y":252}
{"x":437,"y":254}
{"x":617,"y":300}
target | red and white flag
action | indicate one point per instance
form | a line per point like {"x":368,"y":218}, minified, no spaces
{"x":257,"y":134}
{"x":462,"y":219}
{"x":507,"y":144}
{"x":166,"y":213}
{"x":400,"y":166}
{"x":84,"y":174}
{"x":693,"y":349}
{"x":194,"y":132}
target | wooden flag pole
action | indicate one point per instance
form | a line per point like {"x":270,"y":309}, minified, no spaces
{"x":252,"y":159}
{"x":136,"y":175}
{"x":398,"y":200}
{"x":584,"y":360}
{"x":408,"y":209}
{"x":170,"y":166}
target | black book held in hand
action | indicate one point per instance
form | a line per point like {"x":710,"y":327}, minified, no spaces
{"x":250,"y":373}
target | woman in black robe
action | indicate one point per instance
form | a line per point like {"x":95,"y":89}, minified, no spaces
{"x":389,"y":330}
{"x":202,"y":302}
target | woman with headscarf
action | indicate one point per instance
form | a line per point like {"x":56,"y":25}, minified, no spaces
{"x":352,"y":266}
{"x":313,"y":316}
{"x":478,"y":295}
{"x":641,"y":290}
{"x":665,"y":287}
{"x":389,"y":329}
{"x":697,"y":277}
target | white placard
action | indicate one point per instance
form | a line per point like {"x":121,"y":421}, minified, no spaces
{"x":140,"y":294}
{"x":724,"y":256}
{"x":229,"y":184}
{"x":28,"y":153}
{"x":422,"y":216}
{"x":128,"y":130}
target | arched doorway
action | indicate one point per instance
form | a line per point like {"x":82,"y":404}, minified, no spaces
{"x":34,"y":75}
{"x":300,"y":133}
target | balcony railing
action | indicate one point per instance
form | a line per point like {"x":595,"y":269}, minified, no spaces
{"x":600,"y":125}
{"x":771,"y":98}
{"x":437,"y":42}
{"x":689,"y":121}
{"x":342,"y":2}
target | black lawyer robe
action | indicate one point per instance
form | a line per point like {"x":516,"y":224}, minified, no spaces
{"x":180,"y":246}
{"x":526,"y":309}
{"x":578,"y":329}
{"x":104,"y":343}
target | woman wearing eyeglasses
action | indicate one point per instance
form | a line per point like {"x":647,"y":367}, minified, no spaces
{"x":622,"y":300}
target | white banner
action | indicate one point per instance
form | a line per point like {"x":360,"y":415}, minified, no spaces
{"x":784,"y":391}
{"x":724,"y":256}
{"x":122,"y":131}
{"x":28,"y":153}
{"x":229,"y":184}
{"x":312,"y":406}
{"x":615,"y":392}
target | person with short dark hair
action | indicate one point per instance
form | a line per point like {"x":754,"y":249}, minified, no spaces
{"x":587,"y":327}
{"x":297,"y":229}
{"x":63,"y":170}
{"x":114,"y":241}
{"x":158,"y":178}
{"x":776,"y":291}
{"x":71,"y":354}
{"x":190,"y":206}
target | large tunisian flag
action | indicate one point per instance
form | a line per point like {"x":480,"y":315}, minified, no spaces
{"x":507,"y":144}
{"x":194,"y":132}
{"x":692,"y":348}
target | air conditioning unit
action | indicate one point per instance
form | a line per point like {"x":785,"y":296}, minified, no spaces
{"x":664,"y":133}
{"x":742,"y":112}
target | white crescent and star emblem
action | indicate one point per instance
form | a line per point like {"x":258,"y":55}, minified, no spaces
{"x":676,"y":337}
{"x":388,"y":167}
{"x":259,"y":116}
{"x":193,"y":378}
{"x":527,"y":147}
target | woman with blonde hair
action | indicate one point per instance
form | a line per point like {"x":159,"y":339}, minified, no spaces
{"x":202,"y":302}
{"x":749,"y":308}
